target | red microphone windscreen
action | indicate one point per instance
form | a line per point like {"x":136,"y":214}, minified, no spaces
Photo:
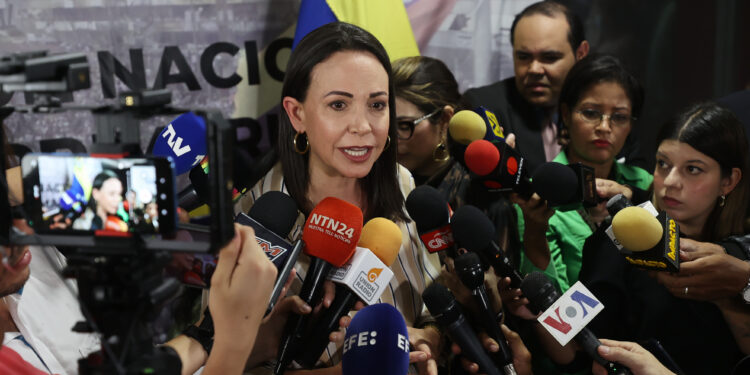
{"x":332,"y":231}
{"x":481,"y":157}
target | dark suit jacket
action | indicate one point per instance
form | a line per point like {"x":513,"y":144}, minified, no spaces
{"x":515,"y":116}
{"x":739,"y":103}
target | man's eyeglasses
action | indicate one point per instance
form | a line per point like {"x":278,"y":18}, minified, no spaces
{"x":593,"y":116}
{"x":405,"y":128}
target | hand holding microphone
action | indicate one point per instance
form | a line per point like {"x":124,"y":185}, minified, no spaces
{"x":648,"y":240}
{"x":521,"y":354}
{"x":449,"y":315}
{"x":707,"y":273}
{"x":632,"y":355}
{"x":542,"y":295}
{"x":362,"y":278}
{"x":330,"y":235}
{"x":470,"y":271}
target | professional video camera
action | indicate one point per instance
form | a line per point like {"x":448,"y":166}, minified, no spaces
{"x":118,"y":261}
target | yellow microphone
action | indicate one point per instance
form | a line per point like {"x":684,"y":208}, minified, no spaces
{"x":636,"y":229}
{"x":653,"y":241}
{"x":383,"y":238}
{"x":467,"y":126}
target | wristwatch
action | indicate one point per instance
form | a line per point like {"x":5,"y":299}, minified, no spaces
{"x":203,"y":333}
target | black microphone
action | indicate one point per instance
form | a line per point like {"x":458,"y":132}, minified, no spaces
{"x":444,"y":307}
{"x":431,"y":213}
{"x":276,"y":212}
{"x":542,"y":294}
{"x":474,"y":231}
{"x":469,"y":269}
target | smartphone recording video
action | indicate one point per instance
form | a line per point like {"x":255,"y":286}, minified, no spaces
{"x":85,"y":194}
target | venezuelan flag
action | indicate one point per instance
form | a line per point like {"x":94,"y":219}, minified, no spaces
{"x":386,"y":19}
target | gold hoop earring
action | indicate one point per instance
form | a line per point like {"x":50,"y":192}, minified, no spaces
{"x":296,"y":142}
{"x":387,"y":143}
{"x":722,"y":200}
{"x":440,"y":153}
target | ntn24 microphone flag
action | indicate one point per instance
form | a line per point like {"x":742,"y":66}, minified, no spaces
{"x":386,"y":19}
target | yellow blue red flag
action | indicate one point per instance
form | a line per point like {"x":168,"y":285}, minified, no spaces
{"x":386,"y":19}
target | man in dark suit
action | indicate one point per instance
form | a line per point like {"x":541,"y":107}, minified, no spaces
{"x":547,"y":40}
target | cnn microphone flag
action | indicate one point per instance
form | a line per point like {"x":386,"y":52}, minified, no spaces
{"x":570,"y":313}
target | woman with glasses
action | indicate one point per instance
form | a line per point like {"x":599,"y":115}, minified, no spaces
{"x":599,"y":103}
{"x":426,"y":98}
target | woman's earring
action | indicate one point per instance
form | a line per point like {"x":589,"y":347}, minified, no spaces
{"x":387,"y":143}
{"x":722,"y":200}
{"x":563,"y":136}
{"x":440,"y":153}
{"x":296,"y":143}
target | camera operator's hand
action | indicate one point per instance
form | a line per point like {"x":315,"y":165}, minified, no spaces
{"x":240,"y":289}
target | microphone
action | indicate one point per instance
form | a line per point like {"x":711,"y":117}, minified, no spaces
{"x":272,"y":216}
{"x":331,"y":233}
{"x":115,"y":224}
{"x":469,"y":269}
{"x":432,"y":215}
{"x":498,"y":166}
{"x":566,"y":186}
{"x":475,"y":232}
{"x":468,"y":126}
{"x":184,"y":140}
{"x":363,"y":277}
{"x":444,"y":307}
{"x":376,"y":342}
{"x":542,"y":295}
{"x":647,"y":240}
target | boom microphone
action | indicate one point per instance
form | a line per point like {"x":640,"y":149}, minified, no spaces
{"x":444,"y":307}
{"x":381,"y":237}
{"x":432,"y":215}
{"x":469,"y":269}
{"x":542,"y":294}
{"x":376,"y":342}
{"x":331,"y":234}
{"x":184,"y":140}
{"x":475,"y":232}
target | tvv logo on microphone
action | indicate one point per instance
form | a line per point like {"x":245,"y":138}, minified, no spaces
{"x":570,"y":313}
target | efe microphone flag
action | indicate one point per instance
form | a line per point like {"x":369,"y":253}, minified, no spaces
{"x":376,"y":342}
